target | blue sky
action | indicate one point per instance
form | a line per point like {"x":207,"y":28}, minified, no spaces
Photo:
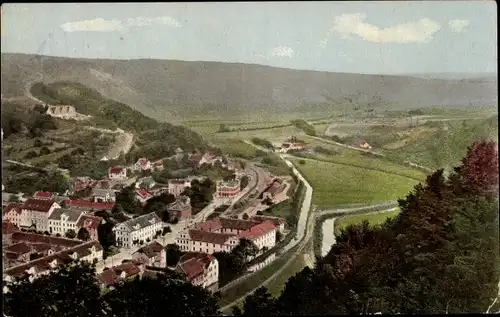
{"x":359,"y":37}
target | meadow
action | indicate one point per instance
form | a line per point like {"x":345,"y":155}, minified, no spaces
{"x":337,"y":184}
{"x":374,"y":219}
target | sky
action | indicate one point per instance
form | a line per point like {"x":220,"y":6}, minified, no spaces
{"x":356,"y":37}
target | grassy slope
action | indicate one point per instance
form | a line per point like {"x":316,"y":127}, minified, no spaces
{"x":373,"y":219}
{"x":336,"y":184}
{"x":446,"y":146}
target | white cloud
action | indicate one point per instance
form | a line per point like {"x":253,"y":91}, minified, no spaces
{"x":282,"y":51}
{"x":458,"y":26}
{"x":96,"y":25}
{"x":101,"y":25}
{"x":347,"y":25}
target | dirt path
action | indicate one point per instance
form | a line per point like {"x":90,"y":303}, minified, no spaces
{"x":123,"y":142}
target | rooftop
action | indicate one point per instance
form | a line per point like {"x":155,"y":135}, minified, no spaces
{"x":62,"y":257}
{"x":88,"y":204}
{"x":151,"y":250}
{"x":193,"y":264}
{"x":73,"y":215}
{"x":142,"y":221}
{"x":38,"y":204}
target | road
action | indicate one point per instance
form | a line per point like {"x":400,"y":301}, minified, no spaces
{"x":32,"y":166}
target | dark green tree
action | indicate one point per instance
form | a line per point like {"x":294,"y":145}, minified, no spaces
{"x":71,"y":290}
{"x":161,"y":296}
{"x":83,"y":234}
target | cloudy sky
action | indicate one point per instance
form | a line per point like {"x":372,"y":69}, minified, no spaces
{"x":360,"y":37}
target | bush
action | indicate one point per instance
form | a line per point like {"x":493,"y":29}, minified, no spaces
{"x":30,"y":154}
{"x":44,"y":151}
{"x":302,"y":162}
{"x":37,"y":143}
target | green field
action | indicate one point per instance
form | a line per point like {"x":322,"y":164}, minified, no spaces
{"x":336,"y":184}
{"x":373,"y":219}
{"x":237,"y":148}
{"x":357,"y":159}
{"x":448,"y":144}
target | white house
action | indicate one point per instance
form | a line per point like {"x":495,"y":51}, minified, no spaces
{"x":200,"y":269}
{"x":103,"y":195}
{"x":142,"y":164}
{"x":36,"y":212}
{"x":153,"y":254}
{"x":137,"y":229}
{"x":61,"y":220}
{"x":117,"y":173}
{"x":145,"y":182}
{"x":12,"y":213}
{"x":177,"y":186}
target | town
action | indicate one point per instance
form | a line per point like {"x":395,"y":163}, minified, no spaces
{"x":49,"y":229}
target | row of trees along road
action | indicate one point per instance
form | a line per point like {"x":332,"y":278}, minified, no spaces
{"x":439,"y":255}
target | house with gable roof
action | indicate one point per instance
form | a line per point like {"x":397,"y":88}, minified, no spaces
{"x":36,"y":212}
{"x":137,"y":229}
{"x":61,"y":220}
{"x":118,"y":173}
{"x":180,"y":209}
{"x":142,"y":164}
{"x":153,"y":254}
{"x":200,"y":269}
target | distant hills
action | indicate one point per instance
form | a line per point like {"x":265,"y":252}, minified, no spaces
{"x":169,"y":88}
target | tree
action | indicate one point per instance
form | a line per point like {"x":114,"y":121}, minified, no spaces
{"x":479,"y":170}
{"x":243,"y":182}
{"x":70,"y":234}
{"x":258,"y":303}
{"x":302,"y":162}
{"x":279,"y":236}
{"x":83,"y":234}
{"x":56,"y":294}
{"x":166,"y":230}
{"x":106,"y":235}
{"x":439,"y":255}
{"x":161,"y":296}
{"x":30,"y":154}
{"x":126,"y":200}
{"x":44,"y":151}
{"x":37,"y":143}
{"x":245,"y":216}
{"x":174,"y":253}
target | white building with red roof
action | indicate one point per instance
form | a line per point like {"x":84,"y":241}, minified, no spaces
{"x":118,"y":173}
{"x":200,"y":269}
{"x":44,"y":195}
{"x":142,"y":164}
{"x":12,"y":213}
{"x":36,"y":212}
{"x":228,"y":189}
{"x":223,"y":234}
{"x":91,"y":224}
{"x":365,"y":145}
{"x":143,"y":195}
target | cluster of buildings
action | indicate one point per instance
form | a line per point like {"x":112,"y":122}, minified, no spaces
{"x":36,"y":254}
{"x":32,"y":254}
